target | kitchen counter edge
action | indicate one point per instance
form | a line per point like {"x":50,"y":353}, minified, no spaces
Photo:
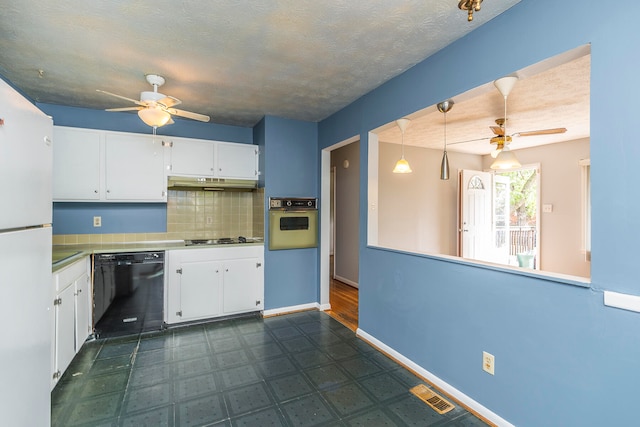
{"x":87,"y":249}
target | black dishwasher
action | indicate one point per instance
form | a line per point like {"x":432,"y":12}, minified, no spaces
{"x":128,"y":293}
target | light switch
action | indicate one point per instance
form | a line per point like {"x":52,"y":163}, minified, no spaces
{"x":547,"y":208}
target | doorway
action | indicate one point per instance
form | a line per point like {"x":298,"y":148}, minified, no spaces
{"x":339,"y":255}
{"x":499,"y":216}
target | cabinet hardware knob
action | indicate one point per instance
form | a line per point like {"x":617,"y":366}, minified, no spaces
{"x":95,"y":191}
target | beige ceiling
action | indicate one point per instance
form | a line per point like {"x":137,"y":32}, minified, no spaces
{"x":551,"y":94}
{"x":233,"y":60}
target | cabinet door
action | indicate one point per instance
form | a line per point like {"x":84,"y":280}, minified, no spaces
{"x":200,"y":290}
{"x":239,"y":161}
{"x":76,"y":164}
{"x":134,"y":168}
{"x":192,"y":157}
{"x":82,"y":310}
{"x":242,"y":290}
{"x":64,"y":342}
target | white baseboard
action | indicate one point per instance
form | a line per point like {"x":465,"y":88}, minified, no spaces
{"x":347,"y":281}
{"x":457,"y":394}
{"x":291,"y":309}
{"x":325,"y":307}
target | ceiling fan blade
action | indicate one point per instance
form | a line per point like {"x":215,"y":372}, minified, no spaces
{"x":169,"y":101}
{"x":541,"y":132}
{"x":469,"y":140}
{"x":170,"y":121}
{"x":497,"y":130}
{"x":135,"y":101}
{"x":189,"y":115}
{"x":124,"y":109}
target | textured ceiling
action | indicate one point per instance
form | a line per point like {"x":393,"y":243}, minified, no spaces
{"x":554,"y":93}
{"x":233,"y":60}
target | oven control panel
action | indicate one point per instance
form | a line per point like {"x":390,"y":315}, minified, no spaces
{"x":286,"y":203}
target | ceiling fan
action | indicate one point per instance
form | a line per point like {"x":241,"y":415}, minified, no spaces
{"x":155,"y":108}
{"x":501,"y":139}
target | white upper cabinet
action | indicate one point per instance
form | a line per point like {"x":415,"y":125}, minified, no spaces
{"x":104,"y":166}
{"x":237,"y":161}
{"x":134,"y":168}
{"x":76,"y":158}
{"x":100,"y":166}
{"x":191,"y":157}
{"x":213,"y":159}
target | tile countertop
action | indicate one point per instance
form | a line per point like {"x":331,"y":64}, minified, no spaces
{"x":63,"y":255}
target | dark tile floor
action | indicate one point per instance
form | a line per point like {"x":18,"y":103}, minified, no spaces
{"x":302,"y":369}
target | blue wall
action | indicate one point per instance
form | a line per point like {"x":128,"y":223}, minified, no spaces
{"x":558,"y":349}
{"x":77,"y":218}
{"x":290,"y":170}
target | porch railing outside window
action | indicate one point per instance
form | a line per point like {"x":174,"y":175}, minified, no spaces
{"x":520,"y":239}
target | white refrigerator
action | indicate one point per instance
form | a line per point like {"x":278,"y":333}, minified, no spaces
{"x":26,"y":295}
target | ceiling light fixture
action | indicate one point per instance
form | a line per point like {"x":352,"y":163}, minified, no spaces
{"x":505,"y":158}
{"x":402,"y":166}
{"x":471,"y":6}
{"x":444,"y":108}
{"x":154,"y":116}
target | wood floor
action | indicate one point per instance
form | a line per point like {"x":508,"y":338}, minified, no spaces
{"x":344,"y":304}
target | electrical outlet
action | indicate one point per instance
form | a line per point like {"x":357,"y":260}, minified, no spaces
{"x":488,"y":362}
{"x":97,"y":221}
{"x":209,"y":220}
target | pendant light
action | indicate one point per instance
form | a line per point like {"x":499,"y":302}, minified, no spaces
{"x":402,"y":166}
{"x":505,"y":159}
{"x":444,"y":108}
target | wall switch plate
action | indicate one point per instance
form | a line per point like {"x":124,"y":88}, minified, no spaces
{"x":97,"y":221}
{"x":488,"y":362}
{"x":547,"y":208}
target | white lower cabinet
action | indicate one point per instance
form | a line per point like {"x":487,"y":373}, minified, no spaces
{"x":71,"y":315}
{"x":213,"y":282}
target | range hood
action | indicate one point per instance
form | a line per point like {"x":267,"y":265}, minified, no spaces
{"x":210,"y":184}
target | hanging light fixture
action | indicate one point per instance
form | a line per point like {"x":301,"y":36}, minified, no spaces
{"x":471,"y":6}
{"x":402,"y":166}
{"x":505,"y":159}
{"x":444,"y":108}
{"x":154,"y":116}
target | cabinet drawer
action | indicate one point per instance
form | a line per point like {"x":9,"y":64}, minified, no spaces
{"x":66,"y":276}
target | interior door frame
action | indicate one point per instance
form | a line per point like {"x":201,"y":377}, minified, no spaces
{"x":325,"y":220}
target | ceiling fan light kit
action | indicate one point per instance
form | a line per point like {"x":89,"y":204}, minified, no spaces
{"x":154,"y":116}
{"x":154,"y":108}
{"x":505,"y":160}
{"x":402,"y":166}
{"x":444,"y":107}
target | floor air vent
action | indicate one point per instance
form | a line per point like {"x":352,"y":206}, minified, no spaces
{"x":428,"y":396}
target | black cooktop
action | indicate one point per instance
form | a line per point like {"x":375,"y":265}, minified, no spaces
{"x":218,"y":241}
